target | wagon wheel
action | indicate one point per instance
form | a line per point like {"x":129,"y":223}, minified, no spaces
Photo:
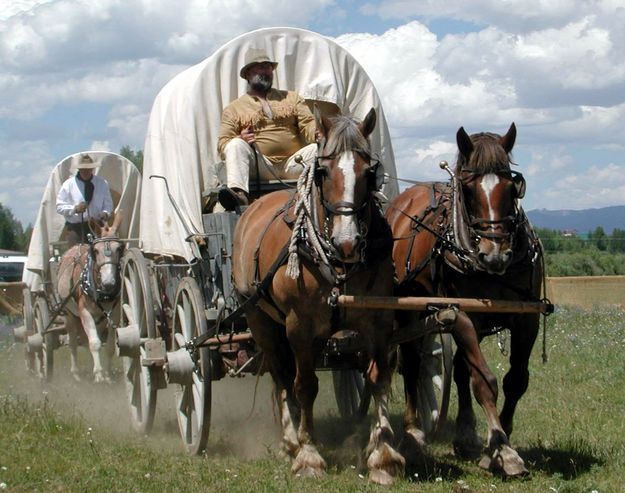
{"x":434,"y":383}
{"x":137,"y":308}
{"x":27,"y":310}
{"x":352,"y":395}
{"x":45,"y":355}
{"x":193,"y":398}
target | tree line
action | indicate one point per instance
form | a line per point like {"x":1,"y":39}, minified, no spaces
{"x":566,"y":253}
{"x":562,"y":241}
{"x":596,"y":253}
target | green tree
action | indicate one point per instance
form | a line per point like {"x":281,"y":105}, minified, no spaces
{"x":599,"y":239}
{"x":617,"y":241}
{"x":136,"y":157}
{"x":550,"y":239}
{"x":12,"y":235}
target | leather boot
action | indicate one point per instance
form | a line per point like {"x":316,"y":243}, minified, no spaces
{"x":232,"y":198}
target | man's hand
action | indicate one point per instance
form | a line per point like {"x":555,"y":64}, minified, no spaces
{"x":104,"y":216}
{"x":80,"y":208}
{"x":247,"y":134}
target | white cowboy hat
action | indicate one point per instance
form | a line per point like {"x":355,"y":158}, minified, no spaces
{"x":85,"y":162}
{"x":254,"y":56}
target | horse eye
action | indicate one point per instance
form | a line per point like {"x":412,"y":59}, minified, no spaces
{"x":321,"y":172}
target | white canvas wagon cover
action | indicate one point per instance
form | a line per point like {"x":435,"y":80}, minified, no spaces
{"x":124,"y":182}
{"x":181,"y":142}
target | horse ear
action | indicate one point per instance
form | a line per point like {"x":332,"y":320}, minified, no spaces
{"x":507,"y":141}
{"x":368,"y":123}
{"x":116,"y":221}
{"x":322,"y":124}
{"x":96,"y":226}
{"x":465,"y":146}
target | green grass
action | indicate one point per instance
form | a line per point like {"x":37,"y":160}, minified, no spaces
{"x":569,"y":428}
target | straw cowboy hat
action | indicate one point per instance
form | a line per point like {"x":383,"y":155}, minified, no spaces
{"x":254,"y":56}
{"x":85,"y":162}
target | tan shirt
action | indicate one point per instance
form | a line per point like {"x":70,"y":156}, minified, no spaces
{"x":291,"y":127}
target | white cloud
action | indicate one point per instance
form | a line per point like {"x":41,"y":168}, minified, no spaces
{"x":100,"y":145}
{"x":28,"y":164}
{"x":511,"y":15}
{"x":556,"y":68}
{"x":598,"y":186}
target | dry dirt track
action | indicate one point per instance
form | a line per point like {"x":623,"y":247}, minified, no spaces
{"x":242,"y":423}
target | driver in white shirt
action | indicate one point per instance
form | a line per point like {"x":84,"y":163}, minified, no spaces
{"x":82,"y":197}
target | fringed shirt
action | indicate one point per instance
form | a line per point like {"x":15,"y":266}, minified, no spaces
{"x":289,"y":128}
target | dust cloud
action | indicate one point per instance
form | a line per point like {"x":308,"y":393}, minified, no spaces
{"x":242,"y":422}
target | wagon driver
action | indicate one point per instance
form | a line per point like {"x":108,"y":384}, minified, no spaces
{"x":83,"y":196}
{"x":262,"y":132}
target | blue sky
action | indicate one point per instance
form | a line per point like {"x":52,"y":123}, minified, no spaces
{"x":80,"y":74}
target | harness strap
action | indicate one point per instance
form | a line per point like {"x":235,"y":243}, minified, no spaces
{"x":261,"y":293}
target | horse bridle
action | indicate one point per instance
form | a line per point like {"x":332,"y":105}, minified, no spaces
{"x":108,"y":252}
{"x":343,"y":208}
{"x":481,"y":227}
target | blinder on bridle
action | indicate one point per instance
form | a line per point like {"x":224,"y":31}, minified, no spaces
{"x":108,"y":252}
{"x":482,"y":227}
{"x":375,"y":173}
{"x":517,"y":178}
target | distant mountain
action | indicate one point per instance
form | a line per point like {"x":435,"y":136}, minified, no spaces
{"x":583,"y":221}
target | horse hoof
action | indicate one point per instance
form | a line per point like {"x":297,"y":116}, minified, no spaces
{"x":385,"y":461}
{"x":308,"y":463}
{"x":380,"y":476}
{"x":506,"y":462}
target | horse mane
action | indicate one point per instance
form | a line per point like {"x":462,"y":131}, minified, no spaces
{"x":488,"y":155}
{"x":345,"y":136}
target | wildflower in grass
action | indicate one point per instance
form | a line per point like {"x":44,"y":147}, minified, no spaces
{"x":3,"y":486}
{"x":147,"y":475}
{"x":438,"y":479}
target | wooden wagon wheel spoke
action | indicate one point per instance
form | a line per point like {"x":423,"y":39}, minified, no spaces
{"x":180,"y":340}
{"x":351,"y":393}
{"x":193,"y":397}
{"x":27,"y":311}
{"x":137,"y":308}
{"x":45,"y":355}
{"x":434,"y":384}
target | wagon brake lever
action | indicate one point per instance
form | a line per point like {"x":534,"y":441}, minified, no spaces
{"x":176,"y":208}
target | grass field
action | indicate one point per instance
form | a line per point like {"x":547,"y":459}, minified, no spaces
{"x":66,"y":436}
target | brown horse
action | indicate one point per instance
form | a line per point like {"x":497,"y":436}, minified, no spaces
{"x":335,"y":237}
{"x":89,"y":274}
{"x":470,"y":238}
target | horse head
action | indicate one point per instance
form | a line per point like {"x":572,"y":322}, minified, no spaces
{"x":106,"y":251}
{"x":488,"y":190}
{"x":346,"y":177}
